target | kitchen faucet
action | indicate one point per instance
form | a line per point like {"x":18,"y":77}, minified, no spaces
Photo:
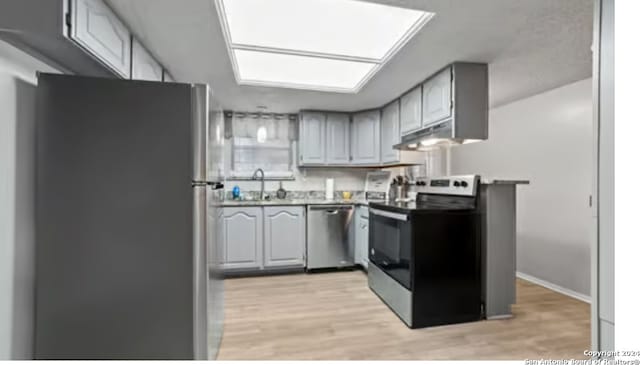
{"x":255,"y":177}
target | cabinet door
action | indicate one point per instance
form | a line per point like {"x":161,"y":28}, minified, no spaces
{"x":390,"y":133}
{"x":362,"y":236}
{"x":284,"y":236}
{"x":214,"y":237}
{"x":338,"y":139}
{"x":312,"y":138}
{"x":365,"y":139}
{"x":143,"y":65}
{"x":242,"y":238}
{"x":365,"y":241}
{"x":411,"y":111}
{"x":436,"y":103}
{"x":96,"y":28}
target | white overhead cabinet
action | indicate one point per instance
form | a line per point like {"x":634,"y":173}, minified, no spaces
{"x":338,"y":139}
{"x":365,"y":139}
{"x":390,"y":136}
{"x":312,"y":138}
{"x":83,"y":37}
{"x":242,"y":238}
{"x":390,"y":133}
{"x":143,"y":65}
{"x":261,"y":238}
{"x":359,"y":139}
{"x":284,"y":236}
{"x":411,"y":111}
{"x":98,"y":29}
{"x":436,"y":98}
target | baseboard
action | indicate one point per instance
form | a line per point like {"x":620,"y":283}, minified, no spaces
{"x":554,"y":287}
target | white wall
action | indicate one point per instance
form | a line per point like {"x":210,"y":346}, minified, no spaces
{"x":17,"y":201}
{"x":546,"y":139}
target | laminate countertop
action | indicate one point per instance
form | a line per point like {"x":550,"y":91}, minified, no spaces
{"x":281,"y":202}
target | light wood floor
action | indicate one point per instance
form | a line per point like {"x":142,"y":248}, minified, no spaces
{"x":335,"y":316}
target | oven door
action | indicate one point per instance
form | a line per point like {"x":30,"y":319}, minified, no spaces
{"x":390,"y":244}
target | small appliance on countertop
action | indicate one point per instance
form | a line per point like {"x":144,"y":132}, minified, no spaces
{"x":376,"y":187}
{"x":425,"y":256}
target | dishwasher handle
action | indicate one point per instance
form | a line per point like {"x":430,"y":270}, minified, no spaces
{"x":331,"y":209}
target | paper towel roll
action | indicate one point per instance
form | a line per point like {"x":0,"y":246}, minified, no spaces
{"x":329,"y":184}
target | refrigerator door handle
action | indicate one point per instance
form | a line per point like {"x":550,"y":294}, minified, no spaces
{"x":214,"y":185}
{"x":200,"y":274}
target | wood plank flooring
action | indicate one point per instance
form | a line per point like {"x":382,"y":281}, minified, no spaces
{"x":335,"y":316}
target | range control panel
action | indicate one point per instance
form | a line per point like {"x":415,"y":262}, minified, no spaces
{"x":466,"y":185}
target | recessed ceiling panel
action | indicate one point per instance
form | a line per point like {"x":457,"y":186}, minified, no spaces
{"x":353,"y":37}
{"x":299,"y":71}
{"x":338,"y":27}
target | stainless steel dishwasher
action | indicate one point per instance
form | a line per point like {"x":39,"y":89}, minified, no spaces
{"x":329,"y":236}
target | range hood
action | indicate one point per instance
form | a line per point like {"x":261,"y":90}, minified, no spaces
{"x":455,"y":108}
{"x":440,"y":134}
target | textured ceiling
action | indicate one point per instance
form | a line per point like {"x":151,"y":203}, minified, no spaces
{"x":530,"y":46}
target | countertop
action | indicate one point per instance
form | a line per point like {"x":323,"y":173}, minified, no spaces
{"x":277,"y":202}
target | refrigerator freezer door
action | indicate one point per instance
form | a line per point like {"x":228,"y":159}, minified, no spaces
{"x":115,"y":212}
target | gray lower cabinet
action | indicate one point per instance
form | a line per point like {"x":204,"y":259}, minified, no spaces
{"x":261,"y":238}
{"x":284,"y":236}
{"x":242,"y":238}
{"x":365,"y":138}
{"x":362,"y":236}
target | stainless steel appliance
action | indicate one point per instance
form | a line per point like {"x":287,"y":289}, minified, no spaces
{"x":425,"y":256}
{"x":125,"y":180}
{"x":329,"y":236}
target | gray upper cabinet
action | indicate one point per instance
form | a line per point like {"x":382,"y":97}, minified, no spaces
{"x":365,"y":138}
{"x":337,"y":147}
{"x":143,"y":65}
{"x":284,"y":236}
{"x":390,"y":133}
{"x":436,"y":102}
{"x":96,"y":28}
{"x":242,"y":238}
{"x":411,"y":111}
{"x":312,"y":138}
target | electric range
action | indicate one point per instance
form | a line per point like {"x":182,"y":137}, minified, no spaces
{"x":425,"y":256}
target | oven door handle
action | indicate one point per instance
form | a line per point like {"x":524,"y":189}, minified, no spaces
{"x":382,"y":213}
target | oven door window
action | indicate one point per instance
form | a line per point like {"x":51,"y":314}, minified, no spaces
{"x":390,"y":242}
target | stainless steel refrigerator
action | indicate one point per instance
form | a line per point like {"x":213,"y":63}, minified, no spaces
{"x":127,"y":174}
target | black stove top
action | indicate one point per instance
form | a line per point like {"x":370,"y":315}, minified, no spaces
{"x":429,"y":202}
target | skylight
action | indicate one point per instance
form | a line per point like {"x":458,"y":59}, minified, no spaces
{"x":328,"y":45}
